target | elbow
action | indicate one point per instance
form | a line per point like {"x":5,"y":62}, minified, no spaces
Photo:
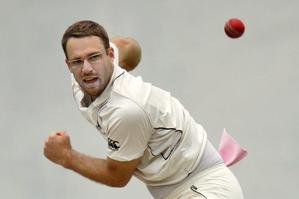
{"x":117,"y":183}
{"x":123,"y":183}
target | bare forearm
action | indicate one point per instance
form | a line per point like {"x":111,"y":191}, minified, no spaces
{"x":107,"y":171}
{"x":93,"y":168}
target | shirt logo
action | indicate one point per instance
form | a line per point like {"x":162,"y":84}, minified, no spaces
{"x":113,"y":145}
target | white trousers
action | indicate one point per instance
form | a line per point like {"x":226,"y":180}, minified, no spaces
{"x":217,"y":182}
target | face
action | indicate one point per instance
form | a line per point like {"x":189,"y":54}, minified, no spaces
{"x":90,"y":63}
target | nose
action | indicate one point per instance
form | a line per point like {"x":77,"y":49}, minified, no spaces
{"x":86,"y":67}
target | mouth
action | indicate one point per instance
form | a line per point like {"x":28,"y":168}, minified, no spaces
{"x":90,"y":80}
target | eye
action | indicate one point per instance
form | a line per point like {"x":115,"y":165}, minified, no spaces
{"x":95,"y":57}
{"x":76,"y":62}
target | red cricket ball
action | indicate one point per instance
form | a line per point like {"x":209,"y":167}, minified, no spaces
{"x":234,"y":28}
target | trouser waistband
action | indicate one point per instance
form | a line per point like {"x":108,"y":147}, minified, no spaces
{"x":209,"y":159}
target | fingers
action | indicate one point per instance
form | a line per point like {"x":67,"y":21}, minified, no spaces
{"x":58,"y":133}
{"x":57,"y":147}
{"x":57,"y":138}
{"x":61,"y":133}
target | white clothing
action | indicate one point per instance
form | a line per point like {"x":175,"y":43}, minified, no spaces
{"x":138,"y":119}
{"x":217,"y":182}
{"x":209,"y":159}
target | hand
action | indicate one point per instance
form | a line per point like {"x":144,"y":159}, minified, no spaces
{"x":58,"y":148}
{"x":129,"y":52}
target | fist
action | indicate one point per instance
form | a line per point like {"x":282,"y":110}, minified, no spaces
{"x":57,"y":148}
{"x":129,"y":52}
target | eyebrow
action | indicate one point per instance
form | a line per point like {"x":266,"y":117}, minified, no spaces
{"x":90,"y":54}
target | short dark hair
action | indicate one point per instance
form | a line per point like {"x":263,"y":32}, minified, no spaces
{"x":83,"y":29}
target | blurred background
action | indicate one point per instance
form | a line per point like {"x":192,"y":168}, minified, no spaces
{"x":250,"y":86}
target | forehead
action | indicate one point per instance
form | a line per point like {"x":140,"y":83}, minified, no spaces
{"x":78,"y":47}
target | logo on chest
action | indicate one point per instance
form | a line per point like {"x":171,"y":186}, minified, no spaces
{"x":113,"y":145}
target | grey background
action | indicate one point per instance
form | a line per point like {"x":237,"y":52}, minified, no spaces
{"x":248,"y":85}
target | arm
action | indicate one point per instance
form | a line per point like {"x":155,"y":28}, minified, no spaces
{"x":129,"y":52}
{"x":106,"y":171}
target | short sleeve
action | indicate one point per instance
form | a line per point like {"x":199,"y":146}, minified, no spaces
{"x":129,"y":133}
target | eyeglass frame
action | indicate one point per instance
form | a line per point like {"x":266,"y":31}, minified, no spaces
{"x":91,"y":59}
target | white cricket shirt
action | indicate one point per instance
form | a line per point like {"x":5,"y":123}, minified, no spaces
{"x":141,"y":120}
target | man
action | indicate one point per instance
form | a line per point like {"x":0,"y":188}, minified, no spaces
{"x":149,"y":133}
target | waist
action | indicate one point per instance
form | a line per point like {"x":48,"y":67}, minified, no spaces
{"x":209,"y":159}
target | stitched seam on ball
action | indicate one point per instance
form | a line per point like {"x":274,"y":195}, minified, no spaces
{"x":233,"y":31}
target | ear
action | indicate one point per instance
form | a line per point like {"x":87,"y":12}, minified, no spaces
{"x":111,"y":54}
{"x":68,"y":65}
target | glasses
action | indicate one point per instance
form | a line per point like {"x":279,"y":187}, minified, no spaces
{"x":92,"y":59}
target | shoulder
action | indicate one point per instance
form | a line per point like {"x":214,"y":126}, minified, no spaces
{"x":125,"y":107}
{"x":125,"y":117}
{"x":132,"y":87}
